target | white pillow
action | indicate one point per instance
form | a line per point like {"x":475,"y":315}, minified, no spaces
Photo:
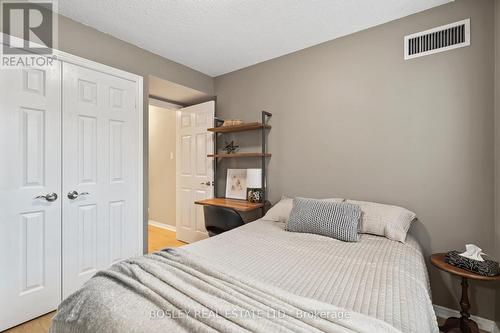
{"x":280,"y":212}
{"x":389,"y":221}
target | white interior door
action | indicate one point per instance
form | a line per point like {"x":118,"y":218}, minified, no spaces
{"x":194,"y":169}
{"x":30,"y":166}
{"x":100,"y":173}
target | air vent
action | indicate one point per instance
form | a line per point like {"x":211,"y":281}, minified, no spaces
{"x":440,"y":39}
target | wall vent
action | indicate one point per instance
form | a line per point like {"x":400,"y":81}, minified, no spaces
{"x":440,"y":39}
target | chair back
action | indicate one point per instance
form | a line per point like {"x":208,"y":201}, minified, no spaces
{"x":220,"y":219}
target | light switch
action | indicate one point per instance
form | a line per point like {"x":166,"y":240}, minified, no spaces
{"x":171,"y":155}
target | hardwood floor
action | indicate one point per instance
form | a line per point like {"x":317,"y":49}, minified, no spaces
{"x":38,"y":325}
{"x":161,"y":238}
{"x":158,"y":239}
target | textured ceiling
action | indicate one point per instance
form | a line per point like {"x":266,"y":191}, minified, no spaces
{"x":219,"y":36}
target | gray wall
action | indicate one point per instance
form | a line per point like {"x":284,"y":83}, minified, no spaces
{"x":497,"y":146}
{"x":86,"y":42}
{"x":353,"y":119}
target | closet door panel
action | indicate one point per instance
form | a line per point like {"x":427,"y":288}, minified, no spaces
{"x":100,"y":144}
{"x":30,"y":166}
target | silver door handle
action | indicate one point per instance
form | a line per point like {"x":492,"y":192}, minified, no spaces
{"x":50,"y":197}
{"x":74,"y":194}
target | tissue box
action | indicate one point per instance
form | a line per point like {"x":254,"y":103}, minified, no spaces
{"x":485,"y":268}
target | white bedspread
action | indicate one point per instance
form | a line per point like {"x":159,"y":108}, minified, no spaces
{"x":196,"y":296}
{"x":376,"y":276}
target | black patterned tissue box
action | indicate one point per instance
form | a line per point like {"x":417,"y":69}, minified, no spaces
{"x":485,"y":268}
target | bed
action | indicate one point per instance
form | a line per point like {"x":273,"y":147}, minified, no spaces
{"x":257,"y":278}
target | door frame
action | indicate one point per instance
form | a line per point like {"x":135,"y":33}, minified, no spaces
{"x":139,"y":101}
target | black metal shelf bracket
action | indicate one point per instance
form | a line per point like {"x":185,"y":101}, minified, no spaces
{"x":265,"y":119}
{"x":217,"y":122}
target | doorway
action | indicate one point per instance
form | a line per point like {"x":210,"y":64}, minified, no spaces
{"x":162,"y":176}
{"x":180,"y":172}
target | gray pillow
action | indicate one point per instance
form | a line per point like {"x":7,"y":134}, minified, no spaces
{"x":331,"y":219}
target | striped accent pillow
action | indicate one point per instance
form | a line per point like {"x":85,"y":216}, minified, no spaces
{"x":331,"y":219}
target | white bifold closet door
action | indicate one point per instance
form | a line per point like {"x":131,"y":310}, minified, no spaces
{"x":69,"y":183}
{"x":30,"y":166}
{"x":100,"y":160}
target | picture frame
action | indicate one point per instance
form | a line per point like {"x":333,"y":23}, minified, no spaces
{"x":236,"y":184}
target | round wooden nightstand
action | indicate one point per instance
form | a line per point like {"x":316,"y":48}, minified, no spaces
{"x":464,"y":323}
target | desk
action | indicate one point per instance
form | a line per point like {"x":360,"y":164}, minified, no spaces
{"x":237,"y":205}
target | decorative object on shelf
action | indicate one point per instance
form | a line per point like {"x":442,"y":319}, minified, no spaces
{"x":231,"y":148}
{"x":255,"y":195}
{"x":232,"y":122}
{"x":236,"y":184}
{"x":254,"y":185}
{"x":468,"y":261}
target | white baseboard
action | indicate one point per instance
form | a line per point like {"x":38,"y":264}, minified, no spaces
{"x":161,"y":225}
{"x":484,"y":324}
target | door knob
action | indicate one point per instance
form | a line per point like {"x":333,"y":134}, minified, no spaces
{"x":207,"y":183}
{"x":74,"y":194}
{"x":50,"y":197}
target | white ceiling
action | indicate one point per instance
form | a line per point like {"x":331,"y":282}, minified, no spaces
{"x":220,"y":36}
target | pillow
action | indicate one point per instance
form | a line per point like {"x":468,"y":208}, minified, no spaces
{"x":280,"y":212}
{"x":389,"y":221}
{"x":332,"y":219}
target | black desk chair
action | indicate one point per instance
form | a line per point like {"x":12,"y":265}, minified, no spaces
{"x":220,"y":219}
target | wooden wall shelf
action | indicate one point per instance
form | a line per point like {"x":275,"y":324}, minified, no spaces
{"x":239,"y":128}
{"x":261,"y":127}
{"x":236,"y":155}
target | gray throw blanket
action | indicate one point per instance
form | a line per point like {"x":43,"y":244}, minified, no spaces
{"x":176,"y":291}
